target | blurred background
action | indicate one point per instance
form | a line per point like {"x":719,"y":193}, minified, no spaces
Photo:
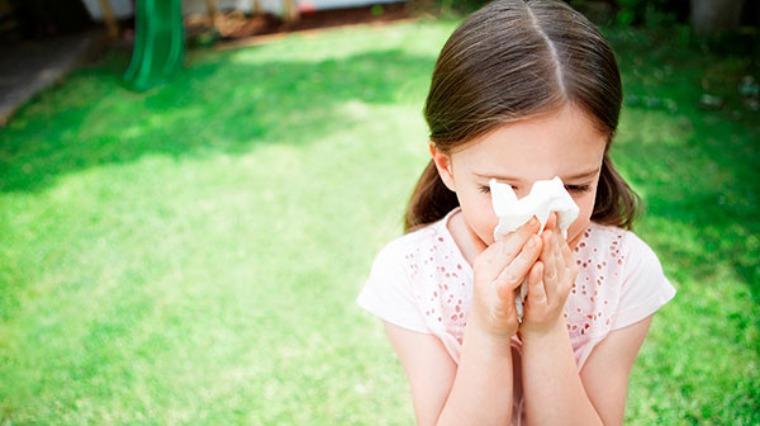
{"x":192,"y":193}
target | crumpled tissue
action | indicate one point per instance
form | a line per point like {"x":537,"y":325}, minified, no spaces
{"x":545,"y":196}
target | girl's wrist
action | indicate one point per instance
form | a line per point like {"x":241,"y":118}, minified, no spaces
{"x":544,"y":331}
{"x":484,"y":337}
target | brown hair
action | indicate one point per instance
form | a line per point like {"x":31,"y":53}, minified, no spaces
{"x":514,"y":59}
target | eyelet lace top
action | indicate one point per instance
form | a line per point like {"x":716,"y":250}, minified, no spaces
{"x":421,"y":282}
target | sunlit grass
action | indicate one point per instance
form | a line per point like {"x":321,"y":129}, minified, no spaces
{"x":190,"y":255}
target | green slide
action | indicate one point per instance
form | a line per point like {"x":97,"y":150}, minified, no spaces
{"x":159,"y":43}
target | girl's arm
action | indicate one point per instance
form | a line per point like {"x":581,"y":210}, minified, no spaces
{"x":555,"y":392}
{"x":429,"y":369}
{"x":605,"y":375}
{"x":479,"y":390}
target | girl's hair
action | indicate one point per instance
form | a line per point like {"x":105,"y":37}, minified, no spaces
{"x":511,"y":60}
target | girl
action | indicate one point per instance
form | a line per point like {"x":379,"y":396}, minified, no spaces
{"x":522,"y":91}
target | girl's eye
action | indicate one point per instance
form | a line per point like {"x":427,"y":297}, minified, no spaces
{"x":577,"y":188}
{"x":487,"y":189}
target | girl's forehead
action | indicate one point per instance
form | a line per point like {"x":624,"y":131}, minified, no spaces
{"x":564,"y":141}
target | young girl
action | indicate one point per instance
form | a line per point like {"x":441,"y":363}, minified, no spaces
{"x":522,"y":91}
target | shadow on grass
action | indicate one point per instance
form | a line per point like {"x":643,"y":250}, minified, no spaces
{"x":699,"y":166}
{"x":701,"y":182}
{"x":217,"y":105}
{"x":698,"y":175}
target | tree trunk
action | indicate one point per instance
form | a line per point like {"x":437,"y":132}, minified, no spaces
{"x":292,"y":14}
{"x":709,"y":16}
{"x":109,"y":19}
{"x":213,"y":11}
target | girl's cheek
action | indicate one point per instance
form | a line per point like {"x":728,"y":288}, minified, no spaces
{"x":485,"y":231}
{"x":486,"y":222}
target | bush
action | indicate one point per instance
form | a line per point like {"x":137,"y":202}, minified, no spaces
{"x":626,"y":13}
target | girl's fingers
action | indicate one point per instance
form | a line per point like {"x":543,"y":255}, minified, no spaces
{"x":552,"y":221}
{"x":558,"y":259}
{"x":567,"y":255}
{"x":514,"y":241}
{"x":561,"y":268}
{"x":492,"y":262}
{"x":514,"y":273}
{"x":536,"y":289}
{"x":549,"y":250}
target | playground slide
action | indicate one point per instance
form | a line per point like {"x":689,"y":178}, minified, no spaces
{"x":159,"y":43}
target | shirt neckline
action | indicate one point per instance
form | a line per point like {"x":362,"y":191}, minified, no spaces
{"x":444,"y":229}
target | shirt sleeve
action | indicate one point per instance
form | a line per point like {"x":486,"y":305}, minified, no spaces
{"x":388,"y":293}
{"x":645,"y":289}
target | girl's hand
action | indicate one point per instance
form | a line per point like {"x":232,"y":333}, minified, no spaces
{"x":549,"y":281}
{"x":499,"y":270}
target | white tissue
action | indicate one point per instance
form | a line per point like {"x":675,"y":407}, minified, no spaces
{"x":545,"y":196}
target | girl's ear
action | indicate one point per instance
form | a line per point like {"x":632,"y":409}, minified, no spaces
{"x":443,"y":164}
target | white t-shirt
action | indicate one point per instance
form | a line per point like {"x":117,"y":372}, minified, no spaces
{"x":421,"y":282}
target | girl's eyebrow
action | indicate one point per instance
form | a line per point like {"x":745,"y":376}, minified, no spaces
{"x":582,"y":175}
{"x":497,"y":177}
{"x":578,"y":176}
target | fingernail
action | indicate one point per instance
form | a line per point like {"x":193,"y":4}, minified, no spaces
{"x":533,"y":221}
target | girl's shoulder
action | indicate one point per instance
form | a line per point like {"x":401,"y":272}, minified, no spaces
{"x":616,"y":256}
{"x":429,"y":245}
{"x":614,"y":245}
{"x":420,"y":281}
{"x":604,"y":256}
{"x":620,"y":281}
{"x":425,"y":236}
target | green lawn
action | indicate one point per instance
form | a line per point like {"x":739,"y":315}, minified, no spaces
{"x":190,"y":255}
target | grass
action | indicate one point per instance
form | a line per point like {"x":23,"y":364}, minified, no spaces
{"x":190,"y":255}
{"x":697,"y":171}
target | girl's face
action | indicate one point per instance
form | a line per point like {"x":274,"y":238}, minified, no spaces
{"x":563,"y":143}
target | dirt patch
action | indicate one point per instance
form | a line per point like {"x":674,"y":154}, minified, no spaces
{"x":233,"y":28}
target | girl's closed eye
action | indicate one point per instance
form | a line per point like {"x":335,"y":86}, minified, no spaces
{"x":578,"y":188}
{"x":486,"y":189}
